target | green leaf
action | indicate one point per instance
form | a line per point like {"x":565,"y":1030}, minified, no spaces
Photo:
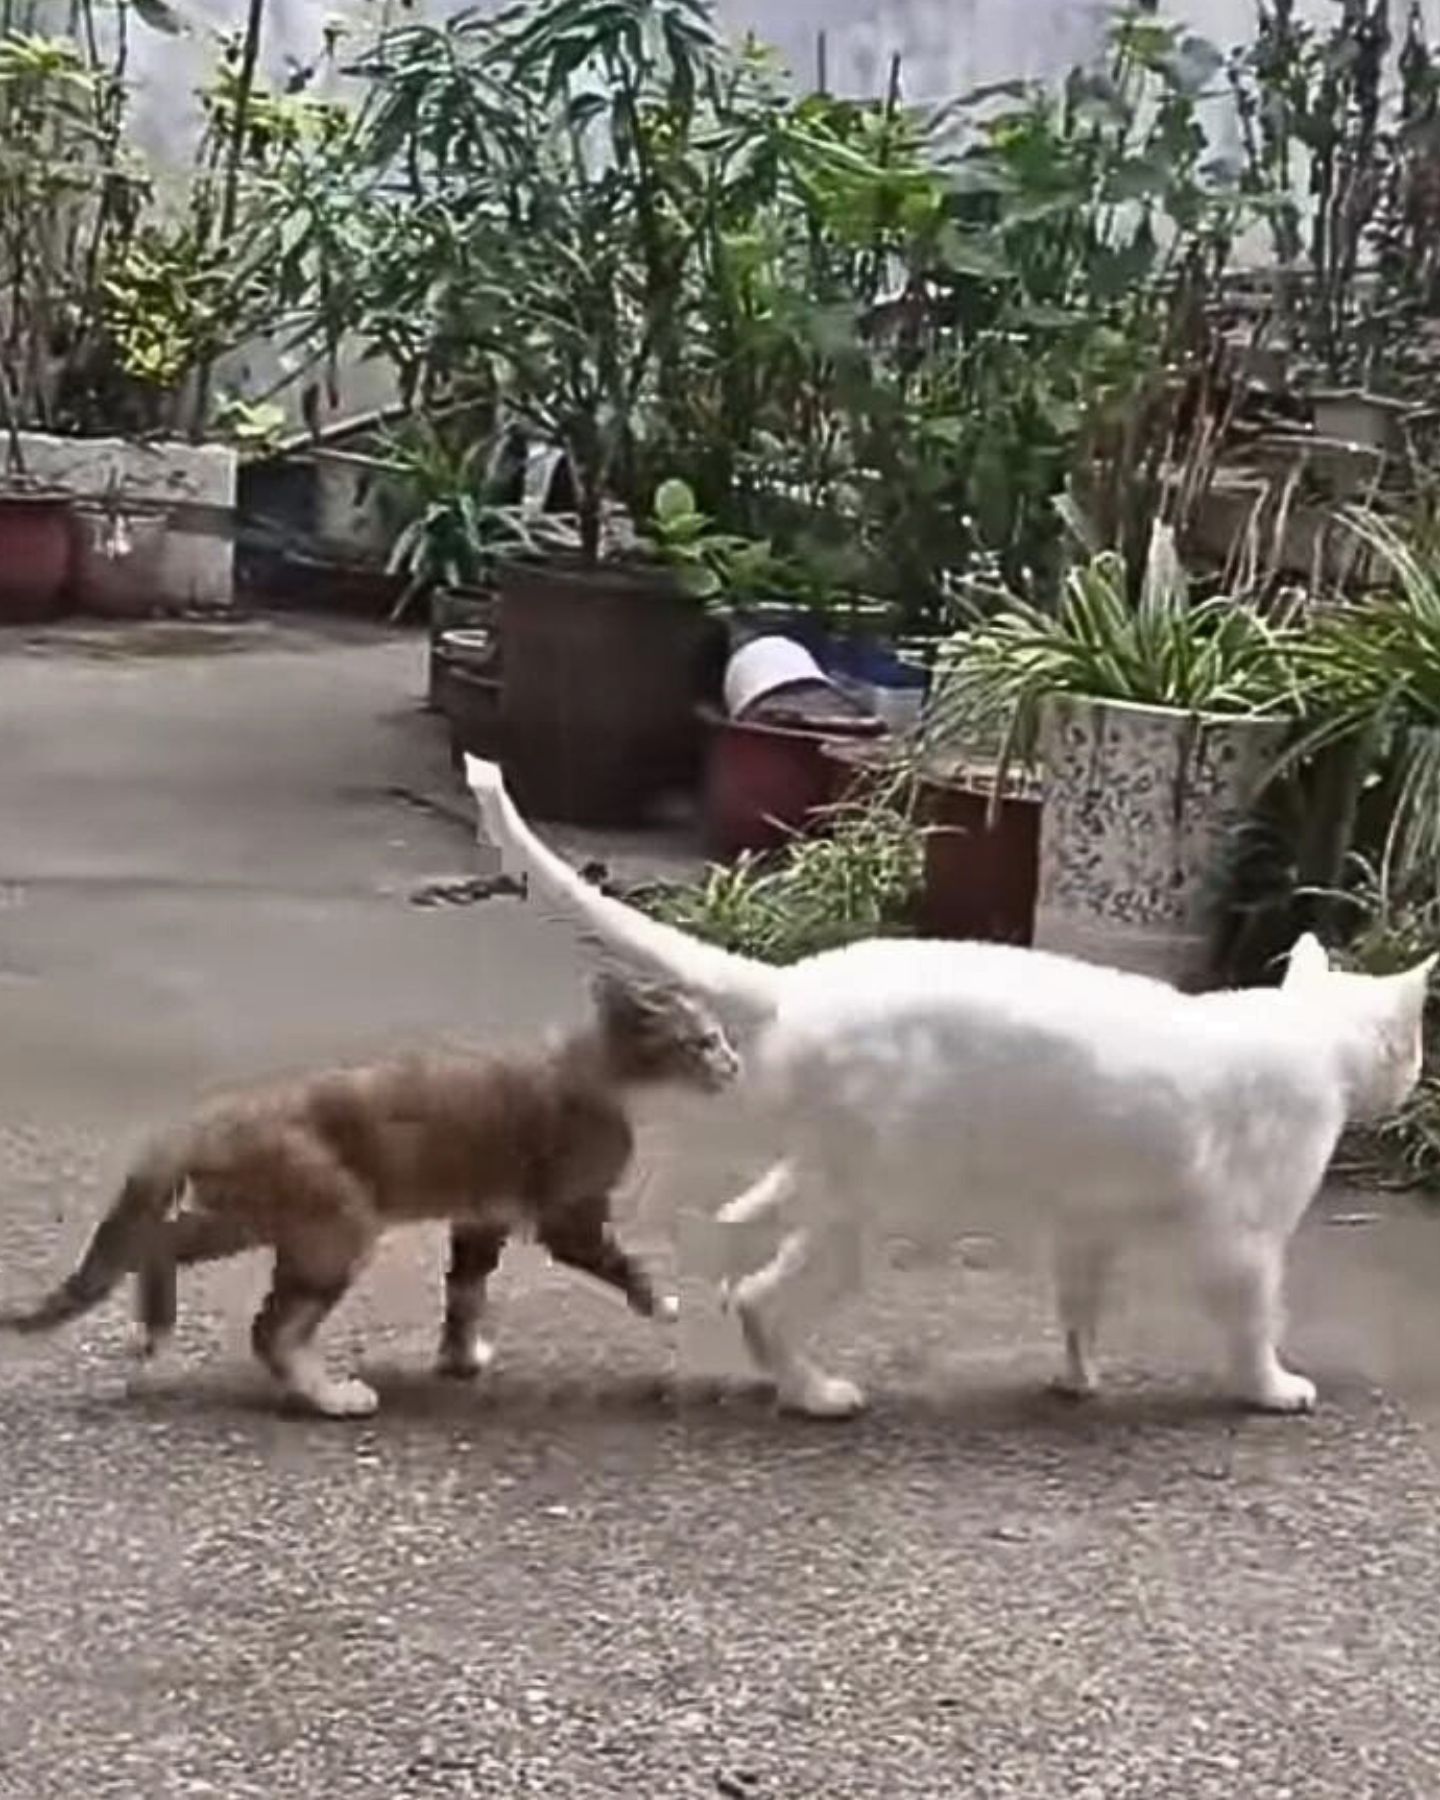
{"x":674,"y":501}
{"x":967,"y":253}
{"x":159,"y":15}
{"x":1137,"y":178}
{"x":699,"y":580}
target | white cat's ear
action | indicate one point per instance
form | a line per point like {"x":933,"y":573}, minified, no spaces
{"x":1308,"y":961}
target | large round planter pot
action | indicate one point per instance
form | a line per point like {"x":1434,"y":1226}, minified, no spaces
{"x":980,"y":878}
{"x":36,"y":545}
{"x":118,"y":553}
{"x":1139,"y":810}
{"x":764,"y":783}
{"x":602,"y":671}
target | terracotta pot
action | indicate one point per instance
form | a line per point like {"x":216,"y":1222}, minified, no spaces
{"x":602,"y":673}
{"x":36,"y":547}
{"x":980,"y":879}
{"x":1141,"y":803}
{"x":118,"y":553}
{"x":763,"y":783}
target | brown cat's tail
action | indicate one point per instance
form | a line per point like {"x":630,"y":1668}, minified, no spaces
{"x":117,"y":1248}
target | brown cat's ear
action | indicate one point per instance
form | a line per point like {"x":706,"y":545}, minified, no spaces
{"x":623,"y":1002}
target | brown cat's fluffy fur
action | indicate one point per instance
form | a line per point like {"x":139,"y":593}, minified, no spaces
{"x":318,"y":1168}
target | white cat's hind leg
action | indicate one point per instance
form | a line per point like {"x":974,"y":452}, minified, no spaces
{"x":1243,"y":1283}
{"x":810,"y":1273}
{"x":1083,"y":1262}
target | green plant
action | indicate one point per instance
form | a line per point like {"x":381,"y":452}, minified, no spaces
{"x":1391,"y":935}
{"x":118,"y":298}
{"x":1371,"y":668}
{"x":70,"y":194}
{"x":714,"y":565}
{"x":1095,"y":226}
{"x":1311,"y":108}
{"x":256,"y":427}
{"x":519,"y":226}
{"x":453,"y":490}
{"x":1220,"y":654}
{"x":858,"y":880}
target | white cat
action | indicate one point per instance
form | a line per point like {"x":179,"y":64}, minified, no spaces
{"x":940,"y":1085}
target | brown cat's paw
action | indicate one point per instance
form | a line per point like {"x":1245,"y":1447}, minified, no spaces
{"x":464,"y":1362}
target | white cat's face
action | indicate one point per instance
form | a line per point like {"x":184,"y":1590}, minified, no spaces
{"x":1385,"y":1012}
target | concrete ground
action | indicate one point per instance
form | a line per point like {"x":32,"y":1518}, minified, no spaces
{"x":609,"y":1571}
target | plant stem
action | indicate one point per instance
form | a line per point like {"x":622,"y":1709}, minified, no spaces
{"x":230,"y":189}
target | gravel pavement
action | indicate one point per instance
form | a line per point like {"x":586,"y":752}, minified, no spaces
{"x":608,"y":1571}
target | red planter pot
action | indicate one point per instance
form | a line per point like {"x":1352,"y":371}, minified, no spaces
{"x":763,"y":783}
{"x":980,"y":879}
{"x":36,"y":547}
{"x":118,"y":555}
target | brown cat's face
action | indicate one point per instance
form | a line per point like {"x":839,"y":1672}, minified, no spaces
{"x":657,"y":1034}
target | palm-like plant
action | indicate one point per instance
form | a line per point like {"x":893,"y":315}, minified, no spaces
{"x":523,"y":199}
{"x":1220,"y":655}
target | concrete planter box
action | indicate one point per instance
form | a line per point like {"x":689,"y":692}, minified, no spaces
{"x":1140,"y":804}
{"x":195,"y":565}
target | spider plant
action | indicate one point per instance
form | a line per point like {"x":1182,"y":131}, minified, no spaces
{"x":1218,"y":655}
{"x":1371,"y":668}
{"x":857,"y":880}
{"x":1403,"y":1150}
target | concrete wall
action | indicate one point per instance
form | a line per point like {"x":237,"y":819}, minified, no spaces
{"x":946,"y":47}
{"x":198,"y":480}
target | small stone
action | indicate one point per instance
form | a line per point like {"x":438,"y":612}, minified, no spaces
{"x":737,"y":1784}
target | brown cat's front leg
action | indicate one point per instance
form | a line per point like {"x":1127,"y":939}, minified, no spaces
{"x":474,"y":1255}
{"x":582,"y":1237}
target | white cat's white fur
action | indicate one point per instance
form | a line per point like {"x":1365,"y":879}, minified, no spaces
{"x":936,"y":1087}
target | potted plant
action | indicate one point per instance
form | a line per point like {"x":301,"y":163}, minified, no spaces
{"x":1155,"y":723}
{"x":119,"y":308}
{"x":543,"y":268}
{"x":769,"y":707}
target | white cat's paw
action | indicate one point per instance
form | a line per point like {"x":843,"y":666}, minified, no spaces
{"x":822,"y":1397}
{"x":667,"y":1308}
{"x":1284,"y":1392}
{"x":349,"y":1399}
{"x":143,"y":1345}
{"x":1072,"y":1386}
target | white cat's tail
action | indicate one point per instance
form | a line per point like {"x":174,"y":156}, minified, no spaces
{"x":737,"y":985}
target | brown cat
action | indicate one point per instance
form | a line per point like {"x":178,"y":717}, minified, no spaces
{"x":320,"y":1167}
